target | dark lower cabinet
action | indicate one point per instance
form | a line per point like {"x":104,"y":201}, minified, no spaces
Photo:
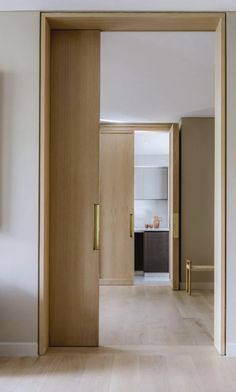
{"x":156,"y":251}
{"x":138,"y":251}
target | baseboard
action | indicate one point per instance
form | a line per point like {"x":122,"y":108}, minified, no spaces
{"x":138,"y":273}
{"x":116,"y":282}
{"x":198,"y":286}
{"x":16,"y":349}
{"x":231,"y":349}
{"x":156,"y":274}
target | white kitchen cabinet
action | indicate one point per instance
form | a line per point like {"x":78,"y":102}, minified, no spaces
{"x":138,"y":183}
{"x":151,"y":183}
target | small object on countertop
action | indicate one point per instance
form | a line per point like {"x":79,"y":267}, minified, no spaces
{"x":156,"y":222}
{"x":146,"y":226}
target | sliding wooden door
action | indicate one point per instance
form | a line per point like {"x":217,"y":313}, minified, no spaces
{"x":174,"y":207}
{"x":74,"y":188}
{"x":117,"y":199}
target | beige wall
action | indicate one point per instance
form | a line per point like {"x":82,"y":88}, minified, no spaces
{"x":197,"y":195}
{"x":19,"y":168}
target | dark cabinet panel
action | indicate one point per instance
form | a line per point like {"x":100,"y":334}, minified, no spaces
{"x":138,"y":251}
{"x":156,"y":251}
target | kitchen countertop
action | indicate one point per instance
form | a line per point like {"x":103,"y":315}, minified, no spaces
{"x":137,"y":230}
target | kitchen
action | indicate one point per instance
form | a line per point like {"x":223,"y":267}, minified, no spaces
{"x":151,"y":207}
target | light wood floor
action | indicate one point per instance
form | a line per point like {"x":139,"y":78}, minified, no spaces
{"x":155,"y":315}
{"x":170,"y":359}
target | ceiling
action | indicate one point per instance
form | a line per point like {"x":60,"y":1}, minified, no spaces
{"x":151,"y":143}
{"x":121,"y":5}
{"x":157,"y":76}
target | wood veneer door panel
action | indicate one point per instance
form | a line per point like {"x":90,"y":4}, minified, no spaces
{"x":74,"y":188}
{"x":174,"y":207}
{"x":117,"y":200}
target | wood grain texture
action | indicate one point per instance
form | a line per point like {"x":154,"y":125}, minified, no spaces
{"x":74,"y":187}
{"x":174,"y":206}
{"x":117,"y":200}
{"x":135,"y":21}
{"x":155,"y":315}
{"x":156,"y":251}
{"x":138,"y":251}
{"x":116,"y":282}
{"x":197,"y":137}
{"x":44,"y":189}
{"x":220,"y":192}
{"x":174,"y":351}
{"x":129,"y":127}
{"x":121,"y":368}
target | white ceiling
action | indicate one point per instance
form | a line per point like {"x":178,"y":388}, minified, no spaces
{"x":151,"y":143}
{"x":121,"y":5}
{"x":156,"y":76}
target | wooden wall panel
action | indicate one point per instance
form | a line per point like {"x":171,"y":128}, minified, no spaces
{"x":44,"y":188}
{"x":197,"y":197}
{"x":220,"y":192}
{"x":174,"y":206}
{"x":136,"y":21}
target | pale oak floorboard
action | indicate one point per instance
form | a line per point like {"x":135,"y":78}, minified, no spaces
{"x":145,"y":315}
{"x":154,"y":340}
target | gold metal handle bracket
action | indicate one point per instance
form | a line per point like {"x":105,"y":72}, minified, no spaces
{"x":175,"y":225}
{"x":131,"y":225}
{"x":96,"y":229}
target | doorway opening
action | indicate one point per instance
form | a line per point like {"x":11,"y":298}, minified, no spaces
{"x":78,"y":35}
{"x":151,"y":207}
{"x":147,"y":206}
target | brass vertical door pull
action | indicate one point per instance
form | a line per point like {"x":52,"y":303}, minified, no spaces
{"x":131,"y":225}
{"x":96,"y":229}
{"x":175,"y":225}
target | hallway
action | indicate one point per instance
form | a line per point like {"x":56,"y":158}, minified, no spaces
{"x":155,"y":315}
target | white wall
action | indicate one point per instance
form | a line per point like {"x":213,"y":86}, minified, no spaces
{"x":121,"y":5}
{"x":148,"y":85}
{"x":231,"y":185}
{"x":145,"y":210}
{"x":151,"y":160}
{"x":19,"y":165}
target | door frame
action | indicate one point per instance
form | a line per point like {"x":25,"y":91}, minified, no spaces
{"x":173,"y":201}
{"x":136,"y":21}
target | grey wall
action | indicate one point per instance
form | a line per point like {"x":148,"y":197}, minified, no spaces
{"x":19,"y":165}
{"x":197,"y":195}
{"x":231,"y":186}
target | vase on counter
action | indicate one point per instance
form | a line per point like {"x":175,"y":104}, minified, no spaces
{"x":156,"y":222}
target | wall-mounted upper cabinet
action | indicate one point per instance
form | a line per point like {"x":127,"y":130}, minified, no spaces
{"x":151,"y":183}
